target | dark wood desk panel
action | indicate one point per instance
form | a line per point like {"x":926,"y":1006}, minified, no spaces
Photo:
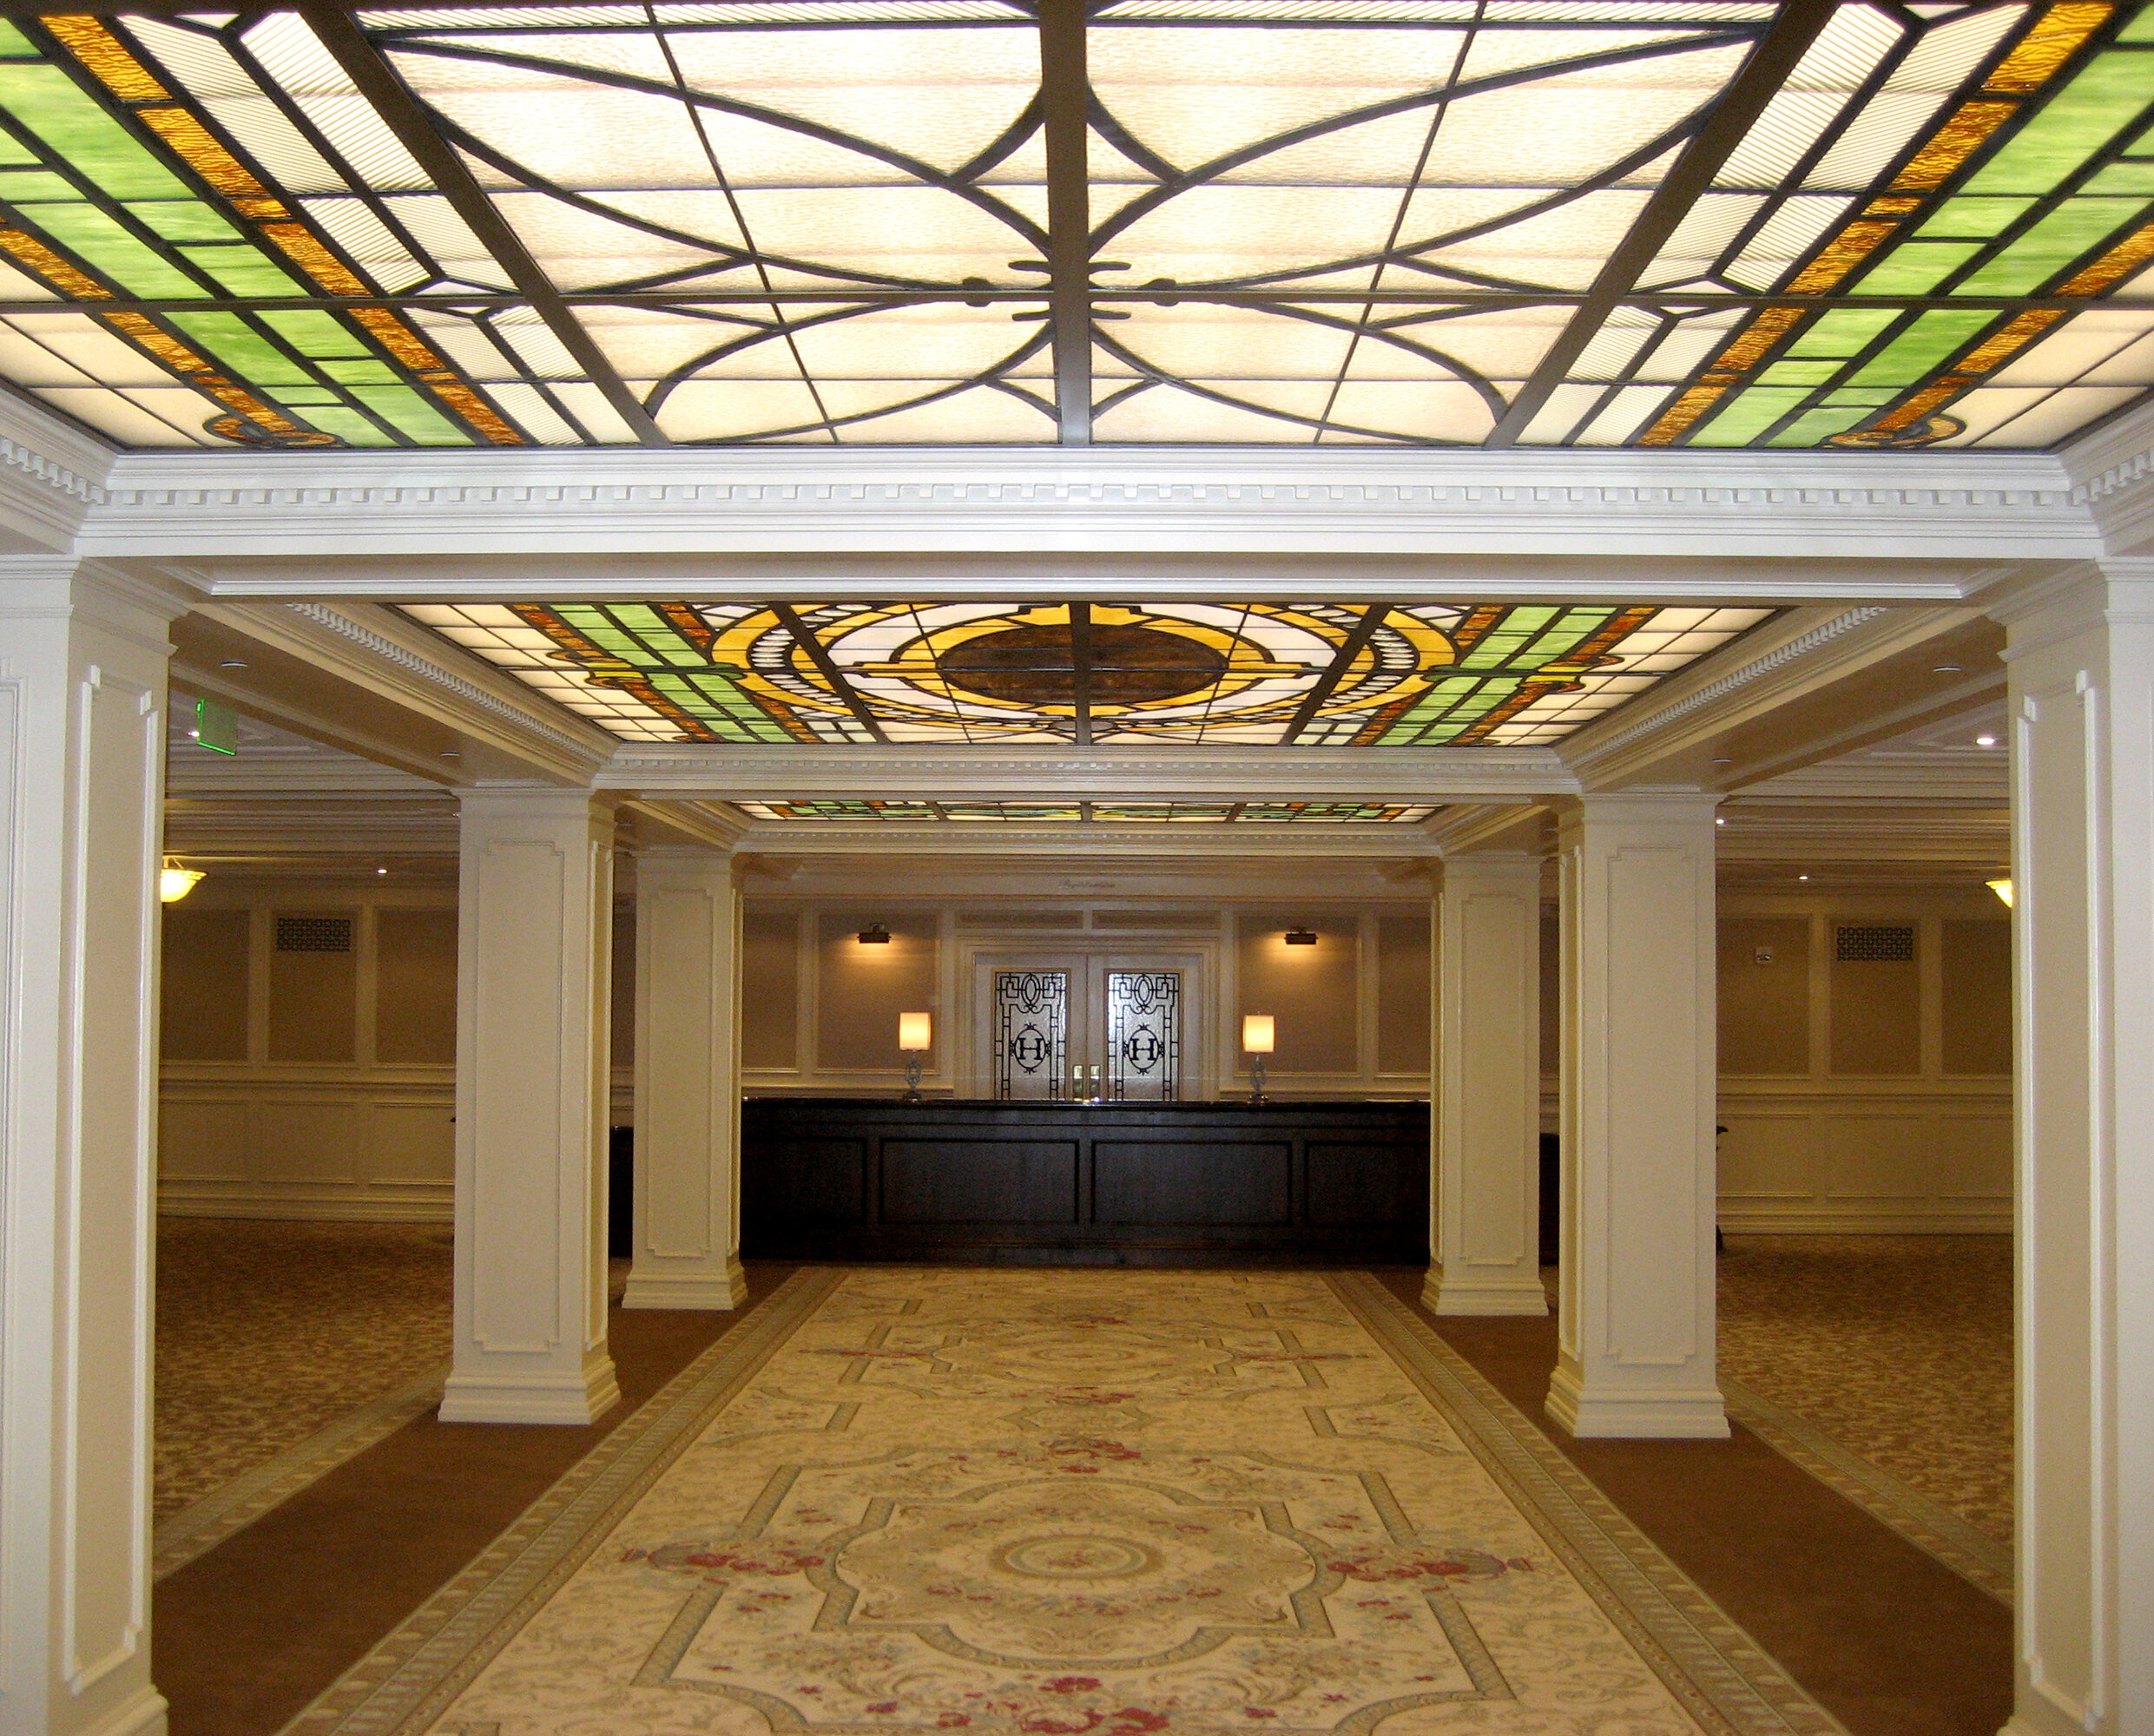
{"x":1163,"y":1184}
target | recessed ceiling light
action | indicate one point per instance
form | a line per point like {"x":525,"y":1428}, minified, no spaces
{"x":1945,"y":669}
{"x":381,"y":871}
{"x":1723,"y":760}
{"x":1985,"y":741}
{"x":232,"y":663}
{"x":450,"y":753}
{"x":1719,"y":821}
{"x":1802,"y":877}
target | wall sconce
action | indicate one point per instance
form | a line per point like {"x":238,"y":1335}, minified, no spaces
{"x":2002,"y":888}
{"x":1300,"y":937}
{"x":1259,"y":1036}
{"x":174,"y":883}
{"x":873,"y":935}
{"x":916,"y":1035}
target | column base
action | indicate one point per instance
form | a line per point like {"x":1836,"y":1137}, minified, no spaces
{"x":141,"y":1713}
{"x":1631,"y":1414}
{"x":575,"y":1399}
{"x":1440,"y":1295}
{"x":662,"y":1289}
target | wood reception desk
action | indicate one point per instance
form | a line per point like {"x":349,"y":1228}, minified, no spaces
{"x":1153,"y":1184}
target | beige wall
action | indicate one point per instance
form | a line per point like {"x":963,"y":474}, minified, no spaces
{"x":1858,"y":1095}
{"x":1864,"y":1096}
{"x":821,"y":1010}
{"x":308,"y":1083}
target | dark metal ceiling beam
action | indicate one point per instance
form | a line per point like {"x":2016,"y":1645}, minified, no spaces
{"x":378,"y":83}
{"x":1064,"y":98}
{"x":1313,"y":702}
{"x":1478,"y":299}
{"x":819,"y":655}
{"x":1793,"y":29}
{"x":1081,"y":671}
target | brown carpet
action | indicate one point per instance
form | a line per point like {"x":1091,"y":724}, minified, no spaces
{"x":1890,"y":1642}
{"x":250,"y":1632}
{"x":268,"y":1332}
{"x":1887,"y":1640}
{"x":1897,"y":1347}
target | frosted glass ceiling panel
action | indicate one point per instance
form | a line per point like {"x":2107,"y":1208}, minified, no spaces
{"x":827,"y":221}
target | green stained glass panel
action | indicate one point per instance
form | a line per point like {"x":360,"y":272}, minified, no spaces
{"x":1845,"y":332}
{"x":361,"y":373}
{"x":23,"y":187}
{"x":1749,"y":414}
{"x":320,"y":335}
{"x":2122,"y":178}
{"x":349,"y":425}
{"x":98,"y":239}
{"x":2075,"y":228}
{"x":405,"y":411}
{"x":2138,"y":29}
{"x":1798,"y":373}
{"x":1918,"y":349}
{"x":180,"y":220}
{"x":242,"y":270}
{"x":1868,"y":399}
{"x":1501,"y":643}
{"x":241,"y":348}
{"x":1917,"y":267}
{"x":1814,"y":425}
{"x":2083,"y":117}
{"x":1976,"y":217}
{"x":49,"y":103}
{"x":659,"y":634}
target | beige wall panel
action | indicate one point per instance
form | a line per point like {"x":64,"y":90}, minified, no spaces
{"x":1551,"y":989}
{"x":205,"y":968}
{"x":1976,"y":960}
{"x":1767,"y":1155}
{"x":313,"y":1000}
{"x":1882,"y":1157}
{"x":415,"y":986}
{"x":1402,"y":991}
{"x":310,"y":1142}
{"x":1310,"y":990}
{"x":412,"y":1142}
{"x":1765,"y":995}
{"x":770,"y":989}
{"x":1876,"y":1019}
{"x":1973,"y":1157}
{"x":863,"y":989}
{"x":201,"y":1142}
{"x":623,"y":1009}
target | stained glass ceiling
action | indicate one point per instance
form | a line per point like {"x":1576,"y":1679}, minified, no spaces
{"x":1098,"y":813}
{"x":1421,"y":222}
{"x":1317,"y":674}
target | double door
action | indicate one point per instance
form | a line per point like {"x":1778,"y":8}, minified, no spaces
{"x":1079,"y":1027}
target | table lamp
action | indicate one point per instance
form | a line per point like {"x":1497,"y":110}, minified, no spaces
{"x":916,"y":1035}
{"x":1259,"y":1033}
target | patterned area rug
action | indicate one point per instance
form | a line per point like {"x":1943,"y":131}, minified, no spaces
{"x":1898,"y":1348}
{"x":283,"y":1349}
{"x":1050,"y":1503}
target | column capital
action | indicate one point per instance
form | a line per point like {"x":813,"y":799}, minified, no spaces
{"x":1638,"y":807}
{"x":1505,"y":866}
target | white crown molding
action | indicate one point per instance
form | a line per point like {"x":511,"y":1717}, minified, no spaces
{"x":270,"y":828}
{"x":51,"y":477}
{"x":2113,"y":473}
{"x":350,"y":523}
{"x":970,"y":839}
{"x":1049,"y":774}
{"x":1063,"y":869}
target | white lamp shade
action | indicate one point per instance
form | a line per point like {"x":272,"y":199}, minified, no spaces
{"x":175,"y":883}
{"x":915,"y":1030}
{"x":1258,"y":1031}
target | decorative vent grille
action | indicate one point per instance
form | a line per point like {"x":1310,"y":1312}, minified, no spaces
{"x":1000,"y":919}
{"x":313,"y":934}
{"x":1158,"y":921}
{"x":1876,"y":946}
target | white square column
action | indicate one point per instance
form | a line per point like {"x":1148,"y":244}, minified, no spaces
{"x":1485,"y":1202}
{"x":2081,"y":672}
{"x":82,"y":662}
{"x":688,"y":1082}
{"x":534,"y":976}
{"x":1636,"y":1306}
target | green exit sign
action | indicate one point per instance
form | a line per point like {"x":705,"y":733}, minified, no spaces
{"x":216,"y":727}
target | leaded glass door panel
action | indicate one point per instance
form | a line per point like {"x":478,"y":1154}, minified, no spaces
{"x":1143,"y":1036}
{"x":1031,"y":1033}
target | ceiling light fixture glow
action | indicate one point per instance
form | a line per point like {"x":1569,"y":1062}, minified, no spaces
{"x":2002,"y":887}
{"x":174,"y":883}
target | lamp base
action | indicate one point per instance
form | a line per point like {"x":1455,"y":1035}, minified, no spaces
{"x":912,"y":1080}
{"x":1256,"y":1083}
